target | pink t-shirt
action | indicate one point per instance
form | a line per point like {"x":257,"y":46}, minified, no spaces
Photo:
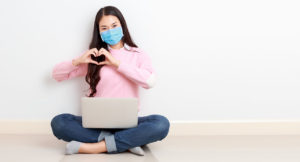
{"x":135,"y":70}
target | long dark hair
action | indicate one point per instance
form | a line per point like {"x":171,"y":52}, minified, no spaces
{"x":93,"y":77}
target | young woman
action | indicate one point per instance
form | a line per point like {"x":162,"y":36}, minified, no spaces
{"x":113,"y":66}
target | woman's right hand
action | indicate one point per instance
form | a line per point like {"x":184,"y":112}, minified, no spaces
{"x":86,"y":57}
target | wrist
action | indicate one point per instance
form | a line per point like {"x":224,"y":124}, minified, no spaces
{"x":117,"y":64}
{"x":75,"y":62}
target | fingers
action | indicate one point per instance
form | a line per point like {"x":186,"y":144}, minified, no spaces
{"x":90,"y":53}
{"x":95,"y":54}
{"x":99,"y":63}
{"x":94,"y":51}
{"x":94,"y":62}
{"x":102,"y":51}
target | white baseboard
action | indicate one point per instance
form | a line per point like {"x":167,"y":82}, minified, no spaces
{"x":178,"y":128}
{"x":242,"y":127}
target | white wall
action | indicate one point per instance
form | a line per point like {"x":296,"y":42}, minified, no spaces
{"x":214,"y":59}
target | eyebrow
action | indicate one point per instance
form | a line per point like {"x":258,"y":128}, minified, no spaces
{"x":105,"y":25}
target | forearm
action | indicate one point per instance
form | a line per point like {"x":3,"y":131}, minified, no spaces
{"x":143,"y":76}
{"x":75,"y":62}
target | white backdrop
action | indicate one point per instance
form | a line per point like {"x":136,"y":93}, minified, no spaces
{"x":215,"y":60}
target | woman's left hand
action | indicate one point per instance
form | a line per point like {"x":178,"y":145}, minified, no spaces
{"x":109,"y":59}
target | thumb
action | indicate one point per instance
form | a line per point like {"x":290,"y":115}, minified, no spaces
{"x":94,"y":62}
{"x":102,"y":63}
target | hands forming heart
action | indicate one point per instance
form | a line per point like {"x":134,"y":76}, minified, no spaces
{"x":98,"y":57}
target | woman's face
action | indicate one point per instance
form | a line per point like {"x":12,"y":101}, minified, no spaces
{"x":108,"y":22}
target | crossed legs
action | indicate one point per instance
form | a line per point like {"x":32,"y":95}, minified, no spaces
{"x":151,"y":128}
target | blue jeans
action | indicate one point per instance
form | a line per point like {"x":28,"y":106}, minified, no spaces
{"x":150,"y":128}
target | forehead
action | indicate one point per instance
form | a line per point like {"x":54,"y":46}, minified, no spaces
{"x":108,"y":20}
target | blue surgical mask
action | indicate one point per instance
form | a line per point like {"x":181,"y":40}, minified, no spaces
{"x":112,"y":36}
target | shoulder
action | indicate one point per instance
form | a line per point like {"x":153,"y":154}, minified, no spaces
{"x":134,"y":49}
{"x":140,"y":53}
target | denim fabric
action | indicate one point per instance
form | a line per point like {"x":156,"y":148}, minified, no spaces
{"x":150,"y":128}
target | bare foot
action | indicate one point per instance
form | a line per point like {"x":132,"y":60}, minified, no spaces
{"x":93,"y":148}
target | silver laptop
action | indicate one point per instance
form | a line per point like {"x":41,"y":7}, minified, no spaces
{"x":99,"y":112}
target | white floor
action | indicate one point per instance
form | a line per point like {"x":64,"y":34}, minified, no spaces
{"x":46,"y":148}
